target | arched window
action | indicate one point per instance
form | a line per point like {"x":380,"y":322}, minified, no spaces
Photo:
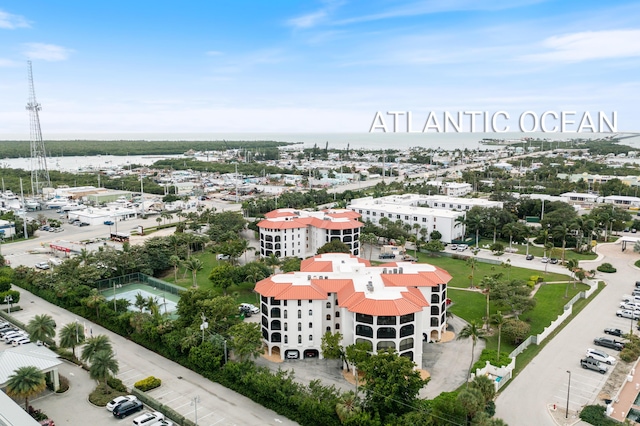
{"x":337,"y":326}
{"x":328,"y":305}
{"x":275,"y":337}
{"x":367,"y":342}
{"x":328,"y":317}
{"x":406,"y":330}
{"x":299,"y":326}
{"x":275,"y":312}
{"x":329,"y":329}
{"x":285,"y":314}
{"x":286,"y":339}
{"x":275,"y":325}
{"x":337,"y":314}
{"x":406,"y":344}
{"x":286,"y":328}
{"x":299,"y":339}
{"x":364,"y":330}
{"x":299,"y":313}
{"x":386,"y":333}
{"x":385,"y":344}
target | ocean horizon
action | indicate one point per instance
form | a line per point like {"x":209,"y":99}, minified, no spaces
{"x":373,"y":141}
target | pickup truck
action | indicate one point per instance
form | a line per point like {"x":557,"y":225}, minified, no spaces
{"x":593,"y":364}
{"x":614,"y":332}
{"x":609,"y":343}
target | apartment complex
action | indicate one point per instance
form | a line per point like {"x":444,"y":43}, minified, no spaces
{"x":299,"y":233}
{"x":394,"y":305}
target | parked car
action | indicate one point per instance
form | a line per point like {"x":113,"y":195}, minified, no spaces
{"x":630,"y":306}
{"x":544,"y":259}
{"x":628,"y":313}
{"x":637,"y":284}
{"x":462,"y":247}
{"x":553,"y":261}
{"x":593,"y":364}
{"x":607,"y":342}
{"x":147,"y":419}
{"x":108,"y":222}
{"x":529,"y":257}
{"x":83,"y":224}
{"x":386,"y":256}
{"x":614,"y":332}
{"x":453,"y":247}
{"x":163,"y":422}
{"x":252,"y":308}
{"x":126,"y":408}
{"x":601,"y":356}
{"x":42,"y":265}
{"x":119,"y":400}
{"x":222,"y":257}
{"x":20,"y":341}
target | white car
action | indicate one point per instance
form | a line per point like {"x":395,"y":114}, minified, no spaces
{"x":630,"y":306}
{"x":119,"y":400}
{"x":544,"y":260}
{"x":20,"y":341}
{"x":42,"y":265}
{"x":628,"y":313}
{"x":601,"y":356}
{"x":148,"y":419}
{"x":252,"y":308}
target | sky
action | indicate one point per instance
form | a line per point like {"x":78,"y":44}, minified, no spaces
{"x":311,"y":66}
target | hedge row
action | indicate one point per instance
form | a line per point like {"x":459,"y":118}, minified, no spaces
{"x":148,"y":383}
{"x":157,"y":406}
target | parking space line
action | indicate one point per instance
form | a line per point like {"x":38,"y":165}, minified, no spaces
{"x":183,"y":405}
{"x":171,"y":400}
{"x":161,"y":395}
{"x":222,"y":419}
{"x":206,"y":415}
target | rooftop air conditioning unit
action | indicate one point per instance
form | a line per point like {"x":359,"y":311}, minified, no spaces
{"x":370,"y":287}
{"x":400,"y":270}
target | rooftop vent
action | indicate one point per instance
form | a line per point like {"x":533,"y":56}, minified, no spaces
{"x":370,"y":287}
{"x":400,"y":270}
{"x":384,"y":270}
{"x":308,"y":277}
{"x":395,"y":270}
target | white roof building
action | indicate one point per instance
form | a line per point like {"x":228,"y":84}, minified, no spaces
{"x":394,"y":305}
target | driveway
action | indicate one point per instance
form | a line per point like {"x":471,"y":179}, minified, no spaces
{"x":180,"y":386}
{"x":544,"y":381}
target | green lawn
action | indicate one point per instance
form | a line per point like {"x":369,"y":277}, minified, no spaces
{"x":550,"y":299}
{"x":460,"y":271}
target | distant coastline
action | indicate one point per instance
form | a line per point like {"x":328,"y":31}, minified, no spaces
{"x":373,"y":141}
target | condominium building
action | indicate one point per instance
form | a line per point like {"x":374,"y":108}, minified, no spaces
{"x":394,"y":305}
{"x":300,"y":233}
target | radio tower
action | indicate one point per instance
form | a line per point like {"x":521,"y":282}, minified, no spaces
{"x":39,"y":171}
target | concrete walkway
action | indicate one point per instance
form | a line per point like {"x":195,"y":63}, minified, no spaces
{"x":218,"y":405}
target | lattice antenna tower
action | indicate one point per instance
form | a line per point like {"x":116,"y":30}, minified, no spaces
{"x":39,"y":171}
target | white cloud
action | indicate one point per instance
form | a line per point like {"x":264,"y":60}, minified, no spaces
{"x":6,"y":63}
{"x":307,"y":21}
{"x":213,"y":53}
{"x":589,"y":45}
{"x":46,"y":52}
{"x":11,"y":22}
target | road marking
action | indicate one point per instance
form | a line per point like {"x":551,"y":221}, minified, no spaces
{"x":206,"y":415}
{"x":183,"y":405}
{"x":162,"y":395}
{"x":221,"y":420}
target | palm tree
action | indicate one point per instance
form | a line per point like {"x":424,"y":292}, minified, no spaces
{"x":175,"y":262}
{"x":95,"y":299}
{"x":472,"y":330}
{"x":370,"y":239}
{"x":494,"y":221}
{"x":347,"y":406}
{"x":93,"y":345}
{"x":194,"y":265}
{"x":272,"y":261}
{"x":103,"y":364}
{"x":71,"y":336}
{"x":510,"y":228}
{"x":472,"y":262}
{"x":26,"y":382}
{"x":572,"y":265}
{"x":140,"y":302}
{"x":42,"y":328}
{"x":498,"y":320}
{"x":165,"y":216}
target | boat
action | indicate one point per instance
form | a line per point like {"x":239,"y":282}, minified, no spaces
{"x":72,"y":206}
{"x":56,"y":203}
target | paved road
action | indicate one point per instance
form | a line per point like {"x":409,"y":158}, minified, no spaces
{"x":218,"y":405}
{"x":545,"y":379}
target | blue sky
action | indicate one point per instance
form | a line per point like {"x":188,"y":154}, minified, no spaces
{"x":312,"y":66}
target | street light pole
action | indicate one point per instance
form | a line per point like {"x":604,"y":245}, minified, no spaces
{"x":568,"y":390}
{"x":194,"y":403}
{"x":204,"y":324}
{"x":8,"y":300}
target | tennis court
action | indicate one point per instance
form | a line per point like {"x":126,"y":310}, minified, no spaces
{"x":167,"y":301}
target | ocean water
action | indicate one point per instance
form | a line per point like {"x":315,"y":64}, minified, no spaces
{"x":373,"y":141}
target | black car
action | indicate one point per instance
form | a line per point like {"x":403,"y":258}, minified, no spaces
{"x":529,"y":257}
{"x":83,"y":224}
{"x":129,"y":407}
{"x":614,"y":332}
{"x":609,"y":343}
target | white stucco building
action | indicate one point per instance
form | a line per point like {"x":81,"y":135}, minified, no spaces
{"x":300,"y":233}
{"x":394,"y":305}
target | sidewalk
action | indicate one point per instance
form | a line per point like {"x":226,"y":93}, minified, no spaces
{"x":218,"y":405}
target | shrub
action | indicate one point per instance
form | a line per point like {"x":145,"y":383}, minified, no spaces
{"x":15,"y":295}
{"x":490,"y":355}
{"x":515,"y":330}
{"x":64,"y":385}
{"x":595,"y":415}
{"x":606,"y":267}
{"x":115,"y":383}
{"x":148,"y":383}
{"x":637,"y":263}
